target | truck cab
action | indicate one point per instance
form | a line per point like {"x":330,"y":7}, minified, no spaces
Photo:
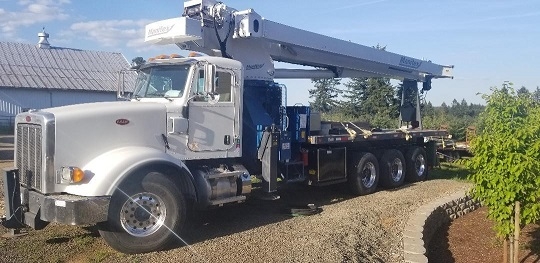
{"x":203,"y":100}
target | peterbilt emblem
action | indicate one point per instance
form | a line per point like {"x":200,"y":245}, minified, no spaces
{"x":28,"y":118}
{"x":122,"y":121}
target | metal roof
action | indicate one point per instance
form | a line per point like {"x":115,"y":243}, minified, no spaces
{"x":28,"y":66}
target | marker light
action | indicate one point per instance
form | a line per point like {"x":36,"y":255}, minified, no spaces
{"x":175,"y":56}
{"x":72,"y":174}
{"x":162,"y":57}
{"x":77,"y":175}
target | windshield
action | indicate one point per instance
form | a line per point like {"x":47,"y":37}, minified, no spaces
{"x":162,"y":81}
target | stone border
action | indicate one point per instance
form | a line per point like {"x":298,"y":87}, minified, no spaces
{"x":427,"y":219}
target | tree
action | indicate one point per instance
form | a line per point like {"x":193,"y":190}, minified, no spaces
{"x":354,"y":95}
{"x":444,"y":108}
{"x":427,"y":110}
{"x":523,"y":91}
{"x":504,"y":166}
{"x":536,"y":94}
{"x":137,"y":61}
{"x":324,"y":94}
{"x":372,"y":100}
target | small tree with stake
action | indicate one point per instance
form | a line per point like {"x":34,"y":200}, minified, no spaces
{"x":505,"y":167}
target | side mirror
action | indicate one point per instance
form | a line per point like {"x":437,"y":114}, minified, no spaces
{"x":209,"y":76}
{"x":121,"y":89}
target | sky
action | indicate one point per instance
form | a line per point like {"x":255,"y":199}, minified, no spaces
{"x":488,"y":41}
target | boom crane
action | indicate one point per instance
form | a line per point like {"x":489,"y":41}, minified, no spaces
{"x":196,"y":130}
{"x":215,"y":29}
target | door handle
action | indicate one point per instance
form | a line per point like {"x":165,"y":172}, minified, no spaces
{"x":227,"y":140}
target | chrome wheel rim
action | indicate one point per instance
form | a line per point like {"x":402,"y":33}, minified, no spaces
{"x":396,"y":167}
{"x":368,"y":175}
{"x":420,"y":165}
{"x":143,"y":214}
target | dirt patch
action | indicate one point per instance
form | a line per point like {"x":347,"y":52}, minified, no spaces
{"x":471,"y":239}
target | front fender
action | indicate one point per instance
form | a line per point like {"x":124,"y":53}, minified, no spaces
{"x":105,"y":172}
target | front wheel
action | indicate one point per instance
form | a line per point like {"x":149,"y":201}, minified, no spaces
{"x":144,"y":216}
{"x":363,"y":174}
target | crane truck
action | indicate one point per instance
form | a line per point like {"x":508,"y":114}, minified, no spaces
{"x":197,"y":128}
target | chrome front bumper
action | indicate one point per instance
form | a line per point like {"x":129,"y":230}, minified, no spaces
{"x":26,"y":207}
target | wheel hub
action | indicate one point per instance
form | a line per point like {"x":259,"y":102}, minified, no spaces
{"x":397,"y":170}
{"x":142,"y":214}
{"x":368,"y":175}
{"x":420,"y":164}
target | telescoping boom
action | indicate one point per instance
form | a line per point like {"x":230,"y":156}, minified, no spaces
{"x":215,"y":29}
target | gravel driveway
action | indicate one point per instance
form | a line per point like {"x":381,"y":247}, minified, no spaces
{"x":349,"y":229}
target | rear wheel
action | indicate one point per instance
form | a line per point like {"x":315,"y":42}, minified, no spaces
{"x":392,"y":168}
{"x":144,"y":216}
{"x":416,"y":163}
{"x":363,"y":174}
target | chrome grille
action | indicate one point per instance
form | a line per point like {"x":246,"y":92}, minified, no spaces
{"x":29,"y":154}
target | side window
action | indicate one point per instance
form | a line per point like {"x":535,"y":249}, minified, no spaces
{"x":223,"y":84}
{"x":198,"y":86}
{"x":199,"y":83}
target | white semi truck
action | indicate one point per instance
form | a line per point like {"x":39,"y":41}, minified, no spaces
{"x":197,"y":128}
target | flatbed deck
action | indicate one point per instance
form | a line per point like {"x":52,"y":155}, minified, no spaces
{"x":357,"y":135}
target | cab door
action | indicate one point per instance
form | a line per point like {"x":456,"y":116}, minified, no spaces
{"x":213,"y":120}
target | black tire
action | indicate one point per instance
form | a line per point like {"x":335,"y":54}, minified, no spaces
{"x":363,"y":173}
{"x":393,"y":169}
{"x":416,"y":163}
{"x":131,"y":229}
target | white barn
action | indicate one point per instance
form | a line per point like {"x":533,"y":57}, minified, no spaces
{"x":41,"y":76}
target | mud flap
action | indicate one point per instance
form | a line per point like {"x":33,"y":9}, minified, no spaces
{"x":268,"y":154}
{"x":12,"y":200}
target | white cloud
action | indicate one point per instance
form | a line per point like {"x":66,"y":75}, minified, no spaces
{"x":111,"y":33}
{"x":32,"y":12}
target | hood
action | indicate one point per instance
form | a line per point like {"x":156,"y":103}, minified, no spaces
{"x":85,"y":131}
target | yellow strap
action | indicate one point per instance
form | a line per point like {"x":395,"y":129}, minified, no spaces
{"x":366,"y":133}
{"x":408,"y":135}
{"x":351,"y":132}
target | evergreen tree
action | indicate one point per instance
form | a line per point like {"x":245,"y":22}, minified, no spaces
{"x":444,"y":108}
{"x":428,"y":110}
{"x":324,"y":94}
{"x":354,"y":95}
{"x":536,"y":94}
{"x":372,"y":100}
{"x":523,"y":92}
